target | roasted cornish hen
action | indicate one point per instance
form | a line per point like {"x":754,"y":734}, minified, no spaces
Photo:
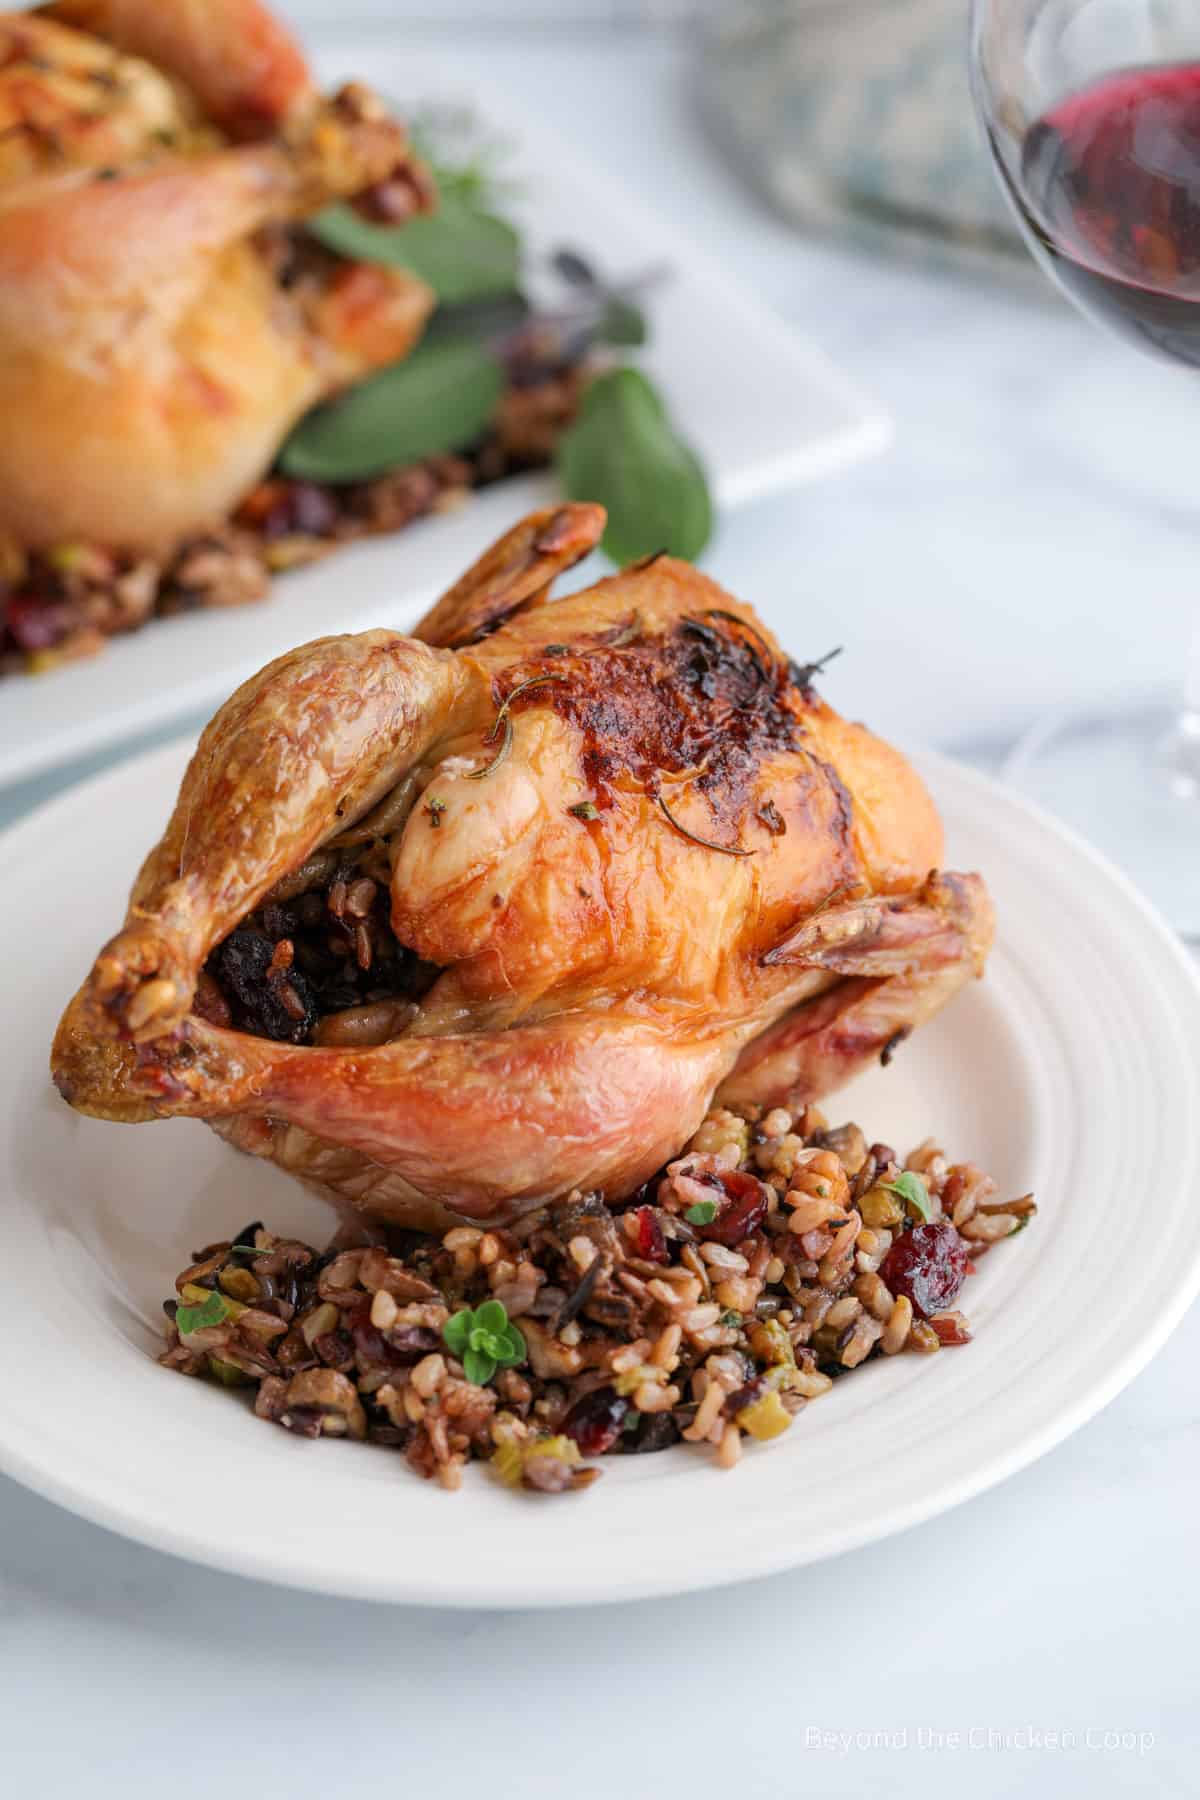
{"x":160,"y":327}
{"x":609,"y":857}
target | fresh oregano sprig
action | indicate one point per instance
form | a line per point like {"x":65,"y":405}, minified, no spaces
{"x":213,"y":1311}
{"x":484,"y":1339}
{"x":909,"y":1188}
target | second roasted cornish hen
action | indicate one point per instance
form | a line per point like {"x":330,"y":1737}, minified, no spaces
{"x":641,"y":861}
{"x":162,"y":322}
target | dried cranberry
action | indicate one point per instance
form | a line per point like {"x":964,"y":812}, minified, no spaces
{"x":651,"y":1243}
{"x":314,"y":510}
{"x":336,"y":1349}
{"x":951,"y":1328}
{"x":409,"y":1343}
{"x":34,"y":623}
{"x":754,"y":1390}
{"x":367,"y":1340}
{"x":595,"y":1421}
{"x":403,"y":1345}
{"x":300,"y":507}
{"x":744,"y":1211}
{"x":928,"y":1264}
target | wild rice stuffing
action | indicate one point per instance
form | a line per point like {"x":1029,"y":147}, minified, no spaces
{"x":772,"y":1257}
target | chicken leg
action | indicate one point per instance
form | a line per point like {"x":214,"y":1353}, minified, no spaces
{"x":900,"y":961}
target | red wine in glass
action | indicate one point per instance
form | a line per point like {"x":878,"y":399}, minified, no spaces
{"x":1111,"y":199}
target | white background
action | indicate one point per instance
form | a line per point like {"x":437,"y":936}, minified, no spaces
{"x":1037,"y":523}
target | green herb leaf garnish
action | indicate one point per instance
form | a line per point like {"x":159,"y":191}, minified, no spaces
{"x":228,"y":1374}
{"x":623,"y":324}
{"x":440,"y":399}
{"x":623,"y":452}
{"x":484,"y":1340}
{"x":912,"y":1190}
{"x":462,"y":251}
{"x":584,"y":809}
{"x":215,"y":1310}
{"x":703,"y":1213}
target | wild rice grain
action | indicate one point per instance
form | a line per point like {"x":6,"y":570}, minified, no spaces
{"x":463,"y":1237}
{"x":729,"y":1451}
{"x":699,"y":1318}
{"x":898,"y":1326}
{"x":383,"y":1311}
{"x":488,"y":1250}
{"x":875,"y":1297}
{"x":707,"y":1413}
{"x":428,"y":1375}
{"x":653,"y":1397}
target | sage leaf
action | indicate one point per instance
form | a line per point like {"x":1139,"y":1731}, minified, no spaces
{"x":441,"y":398}
{"x":622,"y":323}
{"x":463,"y":252}
{"x":623,"y":452}
{"x":488,"y":321}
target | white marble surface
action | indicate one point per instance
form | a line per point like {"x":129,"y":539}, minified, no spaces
{"x":1036,"y":525}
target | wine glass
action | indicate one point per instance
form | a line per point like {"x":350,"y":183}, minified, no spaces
{"x":1092,"y":115}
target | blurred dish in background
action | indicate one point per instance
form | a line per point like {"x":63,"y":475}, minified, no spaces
{"x":242,"y":324}
{"x":855,"y":115}
{"x":784,"y":415}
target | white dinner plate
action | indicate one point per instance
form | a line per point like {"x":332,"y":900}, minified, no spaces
{"x":1073,"y":1069}
{"x":764,"y":408}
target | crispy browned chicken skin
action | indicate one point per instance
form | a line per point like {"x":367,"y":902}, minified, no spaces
{"x":651,"y":864}
{"x":156,"y":340}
